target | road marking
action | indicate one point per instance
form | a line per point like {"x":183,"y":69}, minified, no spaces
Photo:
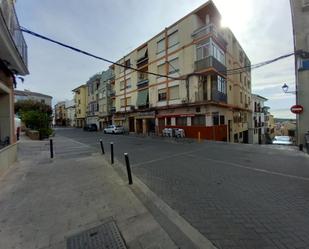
{"x":253,"y":169}
{"x":166,"y":157}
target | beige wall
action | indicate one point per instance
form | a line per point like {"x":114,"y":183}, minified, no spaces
{"x":82,"y":97}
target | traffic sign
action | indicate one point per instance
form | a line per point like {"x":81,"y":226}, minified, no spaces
{"x":297,"y":109}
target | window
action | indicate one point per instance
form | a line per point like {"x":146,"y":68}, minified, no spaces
{"x":162,"y":94}
{"x":202,"y":51}
{"x":222,"y":120}
{"x":181,"y":121}
{"x":241,"y":97}
{"x":198,"y":120}
{"x":79,"y":101}
{"x":168,"y":121}
{"x":160,"y":45}
{"x":241,"y":56}
{"x":127,"y":63}
{"x":121,"y":85}
{"x":221,"y":84}
{"x":161,"y":69}
{"x":122,"y":102}
{"x":128,"y":83}
{"x":43,"y":101}
{"x":249,"y":84}
{"x":173,"y":92}
{"x":218,"y":53}
{"x":173,"y":66}
{"x":215,"y":118}
{"x":173,"y":39}
{"x":128,"y":101}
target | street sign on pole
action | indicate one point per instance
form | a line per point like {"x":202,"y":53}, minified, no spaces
{"x":297,"y":109}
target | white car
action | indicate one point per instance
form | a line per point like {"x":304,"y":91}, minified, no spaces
{"x":283,"y":140}
{"x":114,"y":129}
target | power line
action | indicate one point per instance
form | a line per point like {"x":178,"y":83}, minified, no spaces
{"x":228,"y":72}
{"x":92,"y":55}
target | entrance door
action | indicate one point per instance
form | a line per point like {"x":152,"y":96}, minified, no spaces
{"x":131,"y":124}
{"x":230,"y":129}
{"x":246,"y":136}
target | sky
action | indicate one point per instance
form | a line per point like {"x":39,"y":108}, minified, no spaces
{"x":111,"y":29}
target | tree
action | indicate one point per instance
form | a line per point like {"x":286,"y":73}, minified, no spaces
{"x":35,"y":115}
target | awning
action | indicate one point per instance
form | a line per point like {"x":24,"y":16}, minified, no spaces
{"x":142,"y":98}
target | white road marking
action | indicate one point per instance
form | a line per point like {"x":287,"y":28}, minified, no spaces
{"x":253,"y":169}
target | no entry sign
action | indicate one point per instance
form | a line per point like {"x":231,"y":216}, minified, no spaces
{"x":297,"y":109}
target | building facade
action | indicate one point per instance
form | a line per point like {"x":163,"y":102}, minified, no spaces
{"x":28,"y":95}
{"x":300,"y":19}
{"x":60,"y":114}
{"x":70,"y":113}
{"x":81,"y":101}
{"x":13,"y":60}
{"x":199,"y":93}
{"x":258,"y":129}
{"x":92,"y":114}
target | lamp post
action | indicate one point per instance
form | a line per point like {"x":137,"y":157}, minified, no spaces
{"x":285,"y":89}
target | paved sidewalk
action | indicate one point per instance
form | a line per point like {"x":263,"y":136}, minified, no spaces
{"x":44,"y":201}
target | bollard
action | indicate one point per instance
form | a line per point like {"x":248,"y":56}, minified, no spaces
{"x":128,"y":168}
{"x":102,"y":147}
{"x":112,"y":153}
{"x":51,"y":147}
{"x":199,"y":136}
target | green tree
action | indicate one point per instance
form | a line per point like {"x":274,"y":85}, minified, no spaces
{"x":35,"y":115}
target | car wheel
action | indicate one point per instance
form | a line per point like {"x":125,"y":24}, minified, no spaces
{"x":104,"y":132}
{"x":113,"y":132}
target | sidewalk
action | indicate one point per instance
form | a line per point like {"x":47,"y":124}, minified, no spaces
{"x":44,"y":201}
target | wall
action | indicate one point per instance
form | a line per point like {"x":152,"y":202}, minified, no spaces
{"x":8,"y":156}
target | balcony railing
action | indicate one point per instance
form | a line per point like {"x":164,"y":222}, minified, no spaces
{"x":210,"y":62}
{"x":10,"y":18}
{"x":208,"y":29}
{"x":218,"y":96}
{"x":142,"y":83}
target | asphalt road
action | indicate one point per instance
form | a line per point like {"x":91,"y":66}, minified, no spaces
{"x":238,"y":196}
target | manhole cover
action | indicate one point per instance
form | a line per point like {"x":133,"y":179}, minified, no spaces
{"x":106,"y":236}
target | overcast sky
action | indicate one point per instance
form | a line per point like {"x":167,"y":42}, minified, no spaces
{"x":113,"y":28}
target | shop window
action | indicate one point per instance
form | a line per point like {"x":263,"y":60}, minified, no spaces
{"x":168,"y":121}
{"x":198,"y":120}
{"x":181,"y":121}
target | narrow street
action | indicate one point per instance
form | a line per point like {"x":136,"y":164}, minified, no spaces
{"x":238,"y":196}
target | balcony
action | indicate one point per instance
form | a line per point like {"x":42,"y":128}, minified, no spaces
{"x":208,"y":29}
{"x":218,"y":96}
{"x":113,"y":109}
{"x":142,"y":83}
{"x":13,"y":47}
{"x":112,"y":93}
{"x":210,"y":62}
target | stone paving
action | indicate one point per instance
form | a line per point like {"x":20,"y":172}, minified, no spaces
{"x":238,"y":196}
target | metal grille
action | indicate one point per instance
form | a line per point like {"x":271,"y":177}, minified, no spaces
{"x":106,"y":236}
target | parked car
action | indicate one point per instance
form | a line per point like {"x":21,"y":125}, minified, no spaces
{"x":282,"y":140}
{"x":91,"y":127}
{"x":114,"y":129}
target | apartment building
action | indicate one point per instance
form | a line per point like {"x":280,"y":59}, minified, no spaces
{"x":13,"y":60}
{"x":60,"y":114}
{"x":106,"y":93}
{"x":201,"y":93}
{"x":92,"y":113}
{"x":81,"y":102}
{"x":34,"y":96}
{"x":258,"y":129}
{"x":269,"y":125}
{"x":70,"y":113}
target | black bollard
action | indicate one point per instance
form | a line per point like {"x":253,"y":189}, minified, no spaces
{"x":51,"y":147}
{"x":102,"y":147}
{"x":128,"y":168}
{"x":112,"y":153}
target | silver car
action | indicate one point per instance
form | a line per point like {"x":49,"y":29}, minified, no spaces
{"x":283,"y":140}
{"x":114,"y":129}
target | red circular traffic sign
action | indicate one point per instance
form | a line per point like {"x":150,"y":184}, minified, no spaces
{"x":297,"y":109}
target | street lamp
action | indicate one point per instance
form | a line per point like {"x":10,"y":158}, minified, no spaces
{"x":285,"y":89}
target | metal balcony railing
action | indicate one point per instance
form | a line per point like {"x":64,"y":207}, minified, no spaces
{"x":10,"y":18}
{"x":207,"y":29}
{"x":218,"y":96}
{"x":209,"y":62}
